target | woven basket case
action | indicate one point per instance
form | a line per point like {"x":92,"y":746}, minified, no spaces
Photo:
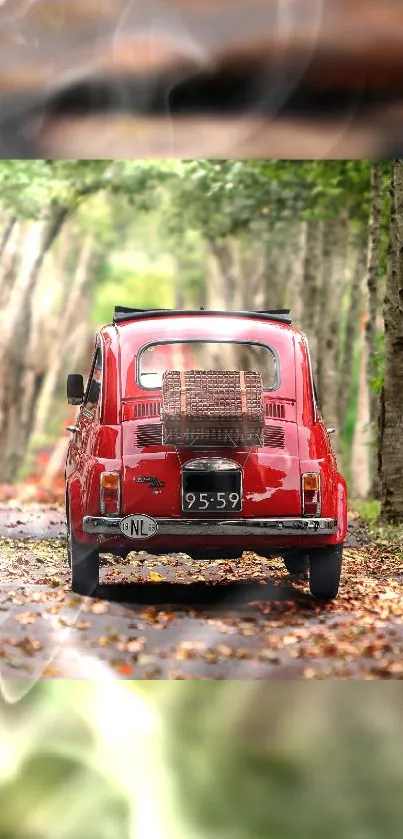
{"x":212,"y":408}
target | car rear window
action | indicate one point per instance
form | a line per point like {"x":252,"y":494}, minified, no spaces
{"x":206,"y":355}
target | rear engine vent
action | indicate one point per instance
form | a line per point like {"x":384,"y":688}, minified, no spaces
{"x":275,"y":410}
{"x":274,"y":437}
{"x":149,"y":435}
{"x":147,"y":409}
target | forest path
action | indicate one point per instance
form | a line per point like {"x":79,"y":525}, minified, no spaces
{"x":189,"y":620}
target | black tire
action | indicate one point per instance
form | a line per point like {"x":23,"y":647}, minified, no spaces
{"x":297,"y":563}
{"x":119,"y":552}
{"x":215,"y":555}
{"x":324,"y":572}
{"x":83,"y":561}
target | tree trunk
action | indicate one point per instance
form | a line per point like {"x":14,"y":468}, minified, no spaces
{"x":20,"y":377}
{"x":294,"y":289}
{"x":224,"y":282}
{"x":374,"y":246}
{"x":325,"y":318}
{"x":179,"y":293}
{"x":251,"y":261}
{"x":361,"y":451}
{"x":335,"y":239}
{"x":40,"y":238}
{"x":276,"y":274}
{"x":346,"y":373}
{"x":10,"y":262}
{"x":71,"y":314}
{"x":7,"y":231}
{"x":391,"y":408}
{"x":310,"y":286}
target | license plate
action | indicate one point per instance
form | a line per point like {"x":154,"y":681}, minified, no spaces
{"x":138,"y":527}
{"x":212,"y":502}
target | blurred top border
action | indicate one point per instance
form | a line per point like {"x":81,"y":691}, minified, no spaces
{"x":293,"y":79}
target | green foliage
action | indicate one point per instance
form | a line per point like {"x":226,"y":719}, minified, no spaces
{"x":126,"y":286}
{"x":217,"y":198}
{"x":29,"y":187}
{"x":230,"y":760}
{"x":51,"y":783}
{"x":258,"y":761}
{"x":379,"y":360}
{"x":322,"y":188}
{"x":369,"y":509}
{"x":32,"y":187}
{"x":222,"y":198}
{"x":380,"y":531}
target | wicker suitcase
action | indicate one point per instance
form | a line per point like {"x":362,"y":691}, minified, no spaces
{"x":212,"y":408}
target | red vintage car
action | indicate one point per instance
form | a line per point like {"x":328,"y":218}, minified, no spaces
{"x":129,"y":488}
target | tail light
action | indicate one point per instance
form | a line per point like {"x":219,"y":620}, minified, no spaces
{"x":109,"y":500}
{"x":311,"y":500}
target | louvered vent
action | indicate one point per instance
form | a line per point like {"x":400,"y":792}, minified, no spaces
{"x":274,"y":437}
{"x":147,"y":409}
{"x":275,"y":410}
{"x":149,"y":435}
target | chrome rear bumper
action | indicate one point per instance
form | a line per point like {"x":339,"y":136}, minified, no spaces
{"x":217,"y":527}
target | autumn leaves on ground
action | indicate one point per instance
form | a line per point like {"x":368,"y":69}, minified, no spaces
{"x":172,"y":618}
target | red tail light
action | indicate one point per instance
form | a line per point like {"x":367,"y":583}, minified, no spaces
{"x":311,"y":495}
{"x":109,"y":497}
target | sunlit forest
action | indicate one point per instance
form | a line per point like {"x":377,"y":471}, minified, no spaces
{"x":115,"y":759}
{"x":323,"y":238}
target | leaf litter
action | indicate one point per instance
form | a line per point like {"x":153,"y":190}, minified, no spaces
{"x":359,"y":635}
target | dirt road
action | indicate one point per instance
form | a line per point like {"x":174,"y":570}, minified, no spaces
{"x":172,"y":618}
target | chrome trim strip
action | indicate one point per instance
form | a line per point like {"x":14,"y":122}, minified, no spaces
{"x":217,"y":527}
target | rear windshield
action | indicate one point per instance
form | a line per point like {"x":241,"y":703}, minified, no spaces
{"x":206,"y":355}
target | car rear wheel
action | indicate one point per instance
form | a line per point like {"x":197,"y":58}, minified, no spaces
{"x":296,"y":563}
{"x":83,"y":561}
{"x":324,"y":572}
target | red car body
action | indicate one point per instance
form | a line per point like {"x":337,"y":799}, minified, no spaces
{"x":122,"y":435}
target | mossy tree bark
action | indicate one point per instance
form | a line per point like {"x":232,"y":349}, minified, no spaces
{"x":374,"y":246}
{"x":391,"y":406}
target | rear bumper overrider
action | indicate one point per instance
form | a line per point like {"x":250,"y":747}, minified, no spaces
{"x":109,"y":526}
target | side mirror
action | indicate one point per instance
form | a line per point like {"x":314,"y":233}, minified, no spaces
{"x":331,"y":430}
{"x":75,"y":389}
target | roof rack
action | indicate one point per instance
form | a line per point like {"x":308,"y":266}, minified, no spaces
{"x":125,"y":313}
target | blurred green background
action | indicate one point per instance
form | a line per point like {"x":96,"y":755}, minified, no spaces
{"x":208,"y":760}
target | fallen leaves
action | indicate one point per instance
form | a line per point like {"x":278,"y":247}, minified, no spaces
{"x":28,"y":644}
{"x":25,"y":617}
{"x":51,"y":672}
{"x":274,"y":630}
{"x":99,"y":607}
